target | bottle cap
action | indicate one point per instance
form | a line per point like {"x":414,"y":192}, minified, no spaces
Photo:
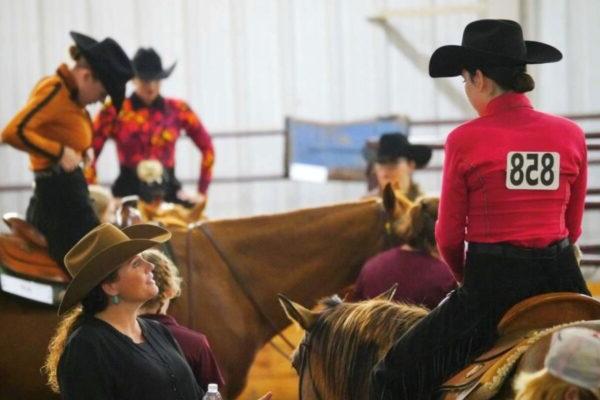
{"x":213,"y":388}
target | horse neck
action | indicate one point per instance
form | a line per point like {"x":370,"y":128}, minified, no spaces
{"x":347,"y":343}
{"x":305,"y":254}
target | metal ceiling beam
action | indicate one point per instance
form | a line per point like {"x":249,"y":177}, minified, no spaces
{"x":421,"y":61}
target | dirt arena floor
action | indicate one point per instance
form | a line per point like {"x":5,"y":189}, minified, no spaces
{"x":272,"y":372}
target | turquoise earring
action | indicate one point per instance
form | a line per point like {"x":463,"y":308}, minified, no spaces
{"x":115,"y":299}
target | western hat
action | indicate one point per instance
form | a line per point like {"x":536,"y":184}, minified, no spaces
{"x":109,"y":63}
{"x":102,"y":251}
{"x":490,"y":42}
{"x":147,"y":65}
{"x":574,"y":356}
{"x":392,"y":146}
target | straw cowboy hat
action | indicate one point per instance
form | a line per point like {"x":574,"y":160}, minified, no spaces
{"x":109,"y":62}
{"x":101,"y":252}
{"x":147,"y":65}
{"x":490,"y":42}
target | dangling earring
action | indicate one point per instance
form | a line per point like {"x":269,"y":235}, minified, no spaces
{"x":115,"y":299}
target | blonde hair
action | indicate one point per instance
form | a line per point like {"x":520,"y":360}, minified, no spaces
{"x":166,"y":276}
{"x":94,"y":302}
{"x":101,"y":199}
{"x":57,"y":344}
{"x":542,"y":385}
{"x":418,"y":228}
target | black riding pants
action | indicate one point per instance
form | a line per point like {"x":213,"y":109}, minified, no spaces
{"x":463,"y":326}
{"x":61,"y":209}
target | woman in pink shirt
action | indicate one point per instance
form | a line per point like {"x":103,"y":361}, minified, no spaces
{"x":513,"y":188}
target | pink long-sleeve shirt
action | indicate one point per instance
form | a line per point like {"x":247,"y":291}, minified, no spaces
{"x":477,"y":203}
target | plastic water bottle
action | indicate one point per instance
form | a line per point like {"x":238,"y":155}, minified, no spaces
{"x":212,"y":393}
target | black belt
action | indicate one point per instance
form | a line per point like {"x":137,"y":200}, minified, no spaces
{"x":508,"y":250}
{"x":49,"y":172}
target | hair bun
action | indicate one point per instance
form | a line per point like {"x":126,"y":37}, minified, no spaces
{"x":522,"y":82}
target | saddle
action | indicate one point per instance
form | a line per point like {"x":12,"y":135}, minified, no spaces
{"x":522,"y":326}
{"x":24,"y":229}
{"x":26,"y":269}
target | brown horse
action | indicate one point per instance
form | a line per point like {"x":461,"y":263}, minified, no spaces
{"x":233,"y":270}
{"x":344,"y":341}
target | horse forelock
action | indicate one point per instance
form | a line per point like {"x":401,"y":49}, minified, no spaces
{"x":350,"y":338}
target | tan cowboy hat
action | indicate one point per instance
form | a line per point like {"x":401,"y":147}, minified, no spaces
{"x":101,"y":252}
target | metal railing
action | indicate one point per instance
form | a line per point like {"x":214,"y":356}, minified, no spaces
{"x":436,"y":146}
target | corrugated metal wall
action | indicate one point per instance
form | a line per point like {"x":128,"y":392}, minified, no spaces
{"x":245,"y":64}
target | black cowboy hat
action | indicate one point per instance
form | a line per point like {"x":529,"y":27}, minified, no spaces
{"x":148,"y":65}
{"x":490,"y":42}
{"x":393,"y":146}
{"x":109,"y":63}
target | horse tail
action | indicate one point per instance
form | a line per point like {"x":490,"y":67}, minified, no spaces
{"x":57,"y":344}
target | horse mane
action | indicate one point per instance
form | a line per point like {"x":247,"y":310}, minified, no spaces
{"x":350,"y":338}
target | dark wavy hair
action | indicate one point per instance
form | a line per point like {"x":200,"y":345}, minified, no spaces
{"x":514,"y":78}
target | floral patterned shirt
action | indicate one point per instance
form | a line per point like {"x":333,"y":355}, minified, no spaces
{"x":144,"y":132}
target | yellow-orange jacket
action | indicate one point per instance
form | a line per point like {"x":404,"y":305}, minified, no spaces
{"x":51,"y":119}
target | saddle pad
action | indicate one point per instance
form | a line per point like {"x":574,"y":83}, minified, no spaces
{"x":41,"y":292}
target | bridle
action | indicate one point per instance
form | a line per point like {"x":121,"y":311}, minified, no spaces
{"x":304,"y":361}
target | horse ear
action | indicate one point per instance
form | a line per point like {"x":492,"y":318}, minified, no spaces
{"x":297,"y":313}
{"x":389,"y":199}
{"x":388,"y":294}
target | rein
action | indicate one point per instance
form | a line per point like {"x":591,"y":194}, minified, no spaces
{"x":246,"y":290}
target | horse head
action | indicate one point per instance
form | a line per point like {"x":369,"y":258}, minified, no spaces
{"x":344,"y":341}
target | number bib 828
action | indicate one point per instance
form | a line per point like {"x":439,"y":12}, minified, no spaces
{"x":532,"y":170}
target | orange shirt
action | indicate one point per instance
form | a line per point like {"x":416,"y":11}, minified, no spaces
{"x":51,"y":119}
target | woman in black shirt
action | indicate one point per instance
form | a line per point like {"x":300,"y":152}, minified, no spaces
{"x":101,"y":350}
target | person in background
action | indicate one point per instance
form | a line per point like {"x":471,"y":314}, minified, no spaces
{"x":415,"y":266}
{"x":396,"y":159}
{"x":194,"y":345}
{"x":55,"y":129}
{"x":571,"y":369}
{"x":147,"y":128}
{"x":513,"y":188}
{"x":103,"y":203}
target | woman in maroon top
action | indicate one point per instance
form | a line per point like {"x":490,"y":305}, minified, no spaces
{"x":415,"y":266}
{"x":194,"y":345}
{"x":513,"y":187}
